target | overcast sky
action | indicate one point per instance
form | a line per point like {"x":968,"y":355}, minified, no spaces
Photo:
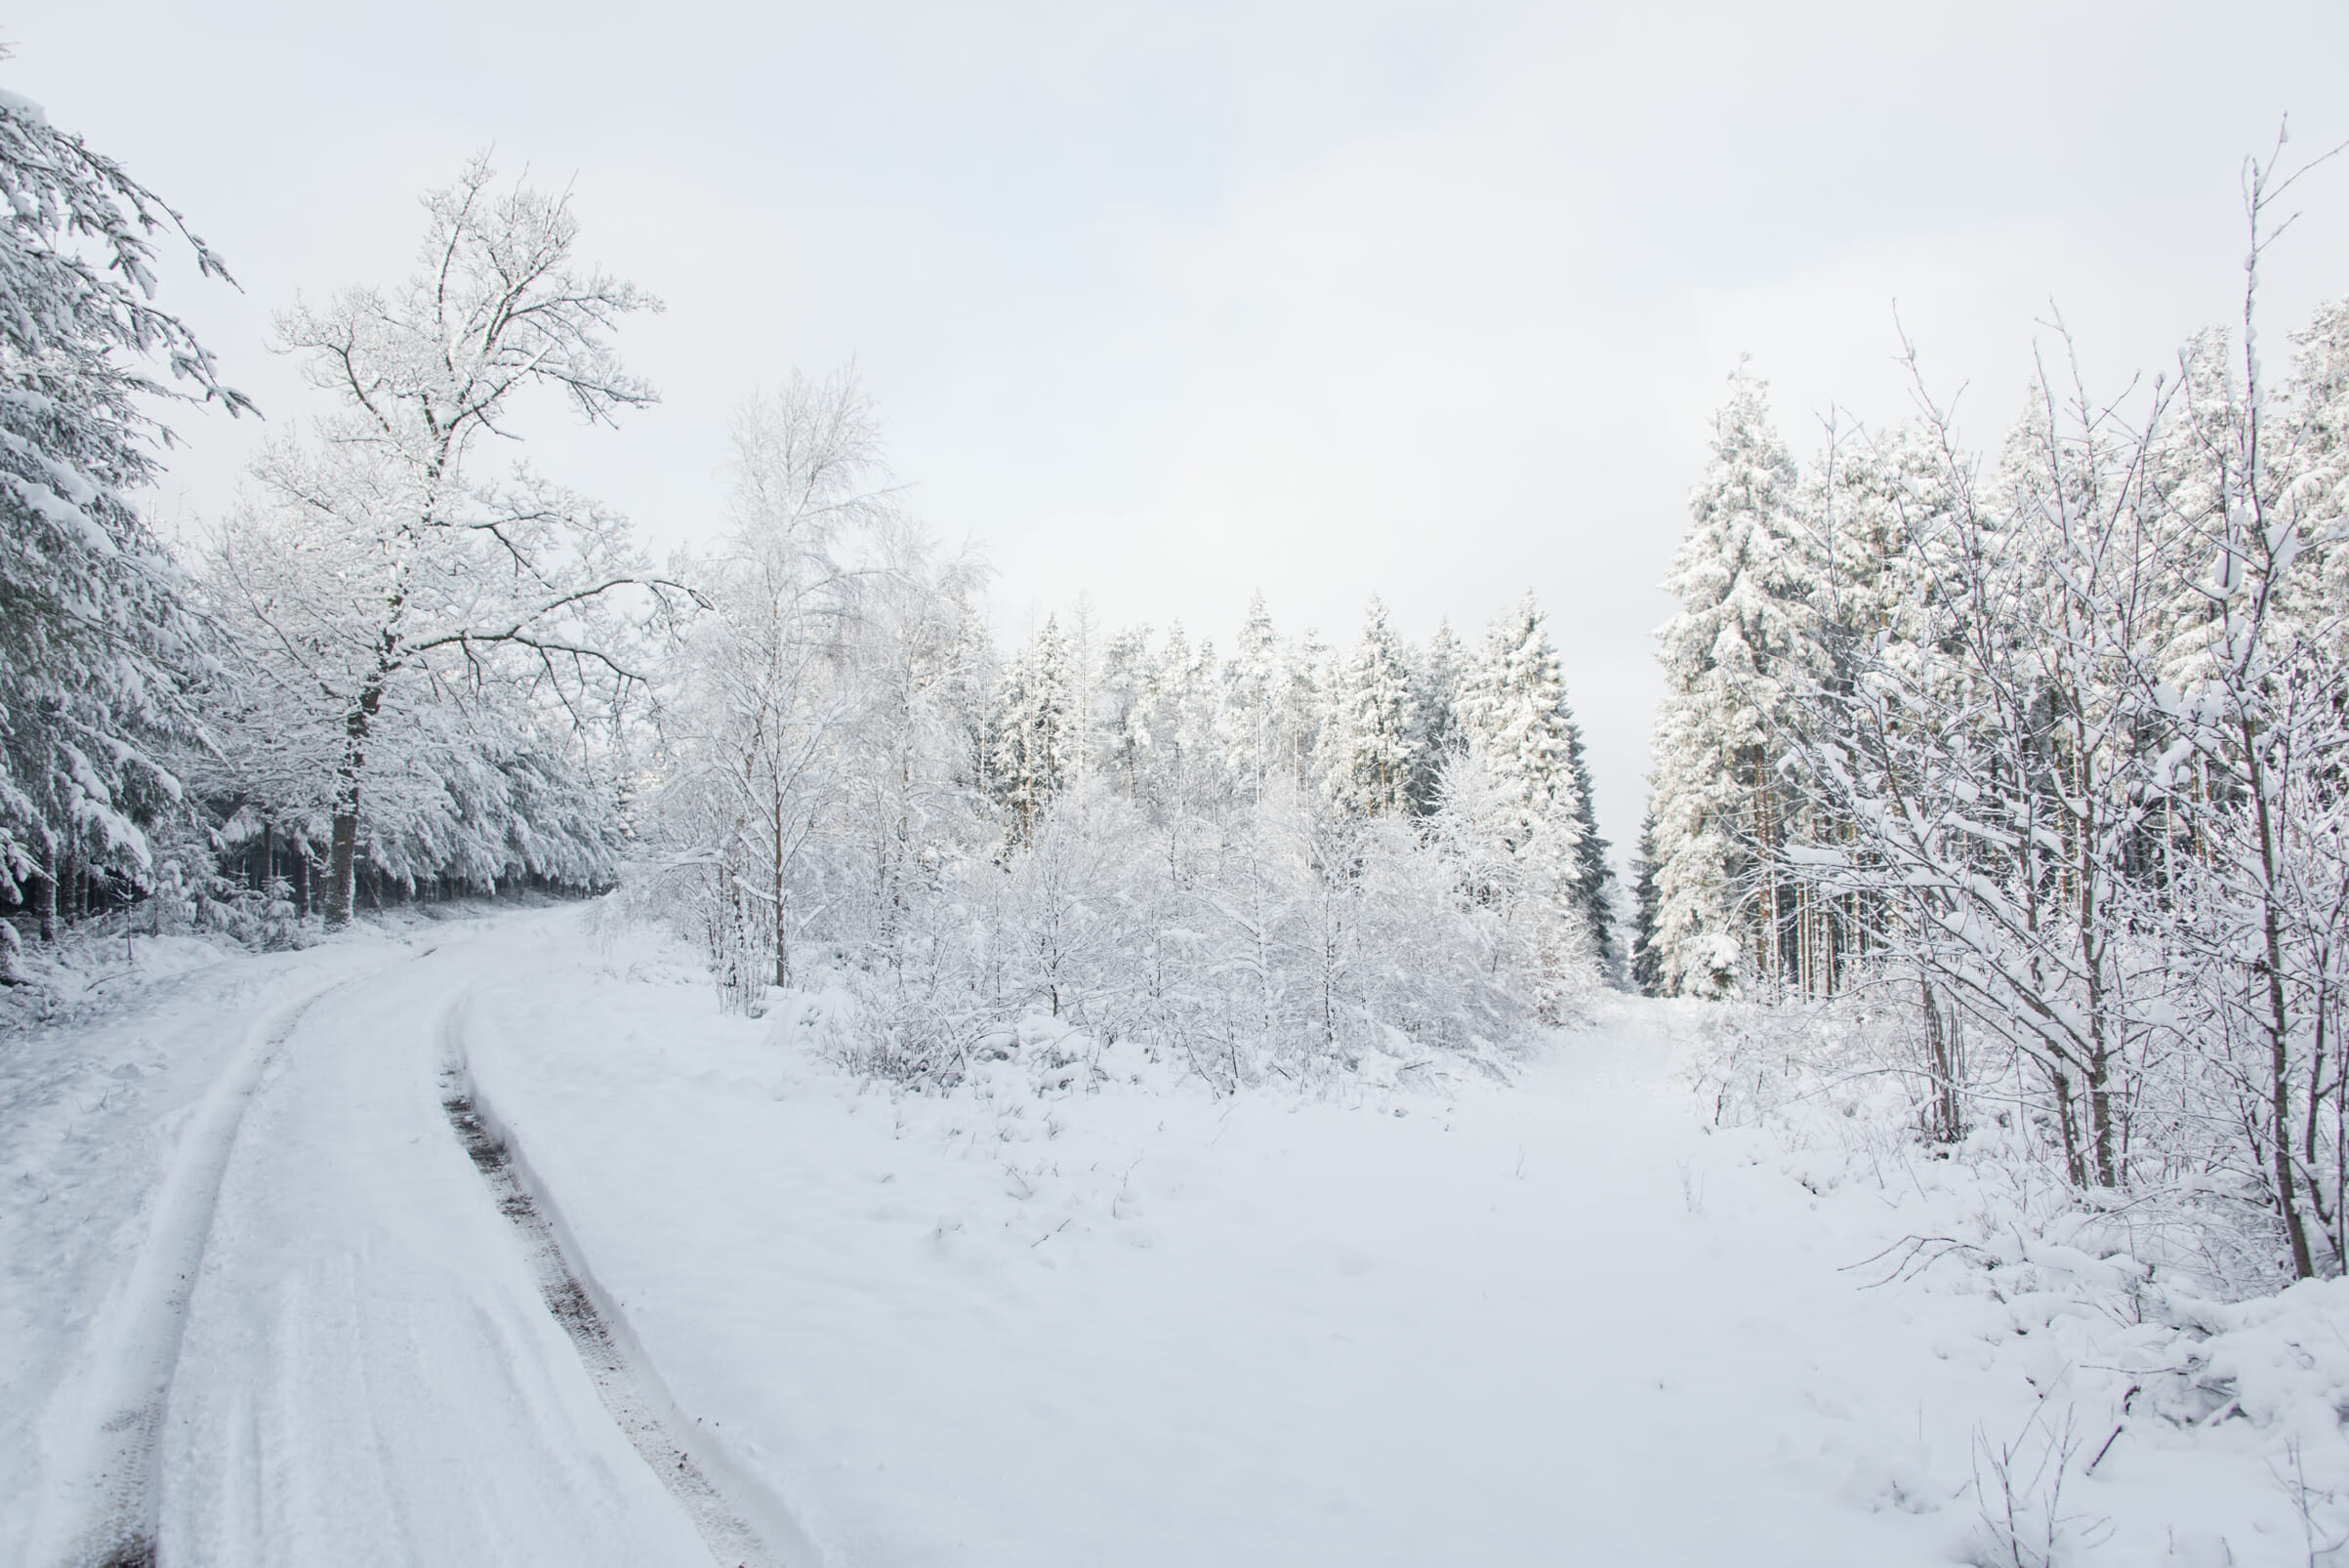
{"x":1168,"y":303}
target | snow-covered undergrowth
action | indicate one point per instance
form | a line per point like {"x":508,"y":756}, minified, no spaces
{"x":1083,"y":1307}
{"x":2156,"y":1332}
{"x":92,"y":969}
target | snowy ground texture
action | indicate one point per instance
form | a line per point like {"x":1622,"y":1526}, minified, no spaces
{"x":258,"y":1304}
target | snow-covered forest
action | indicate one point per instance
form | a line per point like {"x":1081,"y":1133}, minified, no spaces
{"x":1985,"y":945}
{"x":2036,"y":758}
{"x":399,"y":665}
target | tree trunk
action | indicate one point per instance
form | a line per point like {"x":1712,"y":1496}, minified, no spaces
{"x":1942,"y":1058}
{"x":2279,"y":1019}
{"x":343,"y":848}
{"x":2067,"y":1116}
{"x":341,"y":853}
{"x":45,"y":901}
{"x":782,"y":933}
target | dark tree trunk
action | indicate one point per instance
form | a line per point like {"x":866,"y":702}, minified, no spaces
{"x":343,"y":848}
{"x":45,"y":900}
{"x":340,"y":853}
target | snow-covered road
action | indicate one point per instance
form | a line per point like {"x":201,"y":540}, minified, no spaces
{"x":365,"y":1370}
{"x":1025,"y":1324}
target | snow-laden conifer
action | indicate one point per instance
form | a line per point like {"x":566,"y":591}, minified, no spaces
{"x":1647,"y":969}
{"x":1037,"y":727}
{"x":1517,"y":796}
{"x":1254,"y":716}
{"x":1739,"y":575}
{"x":1439,"y":682}
{"x":96,"y":643}
{"x":1374,"y":742}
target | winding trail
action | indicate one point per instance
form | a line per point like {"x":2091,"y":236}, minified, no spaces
{"x":334,"y":1348}
{"x":100,"y":1503}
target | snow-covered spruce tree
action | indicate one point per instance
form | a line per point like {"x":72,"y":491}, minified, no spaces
{"x":1253,"y":720}
{"x":1037,"y":720}
{"x":1740,"y":578}
{"x":381,"y":584}
{"x":1593,"y":883}
{"x":1439,"y":682}
{"x":1375,"y":747}
{"x":96,"y":645}
{"x":1530,"y":804}
{"x":1308,"y":727}
{"x":1647,"y":966}
{"x":1124,"y":708}
{"x":1876,"y":507}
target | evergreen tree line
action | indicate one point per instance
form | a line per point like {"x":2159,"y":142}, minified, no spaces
{"x":2042,"y":754}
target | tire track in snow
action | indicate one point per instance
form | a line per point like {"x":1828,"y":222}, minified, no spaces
{"x":98,"y":1507}
{"x":638,"y":1403}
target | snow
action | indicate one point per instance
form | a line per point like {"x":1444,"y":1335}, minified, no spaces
{"x":1077,"y":1311}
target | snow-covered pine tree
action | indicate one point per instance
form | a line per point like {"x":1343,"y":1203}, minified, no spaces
{"x":1439,"y":678}
{"x":1877,"y":510}
{"x":1740,"y":576}
{"x":1306,"y":713}
{"x":1197,"y":782}
{"x":1515,"y":711}
{"x":1520,"y":730}
{"x":1647,"y":967}
{"x":1036,"y":743}
{"x":1591,"y":878}
{"x":95,"y":641}
{"x":1124,"y":708}
{"x":1252,"y":719}
{"x":1375,"y":746}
